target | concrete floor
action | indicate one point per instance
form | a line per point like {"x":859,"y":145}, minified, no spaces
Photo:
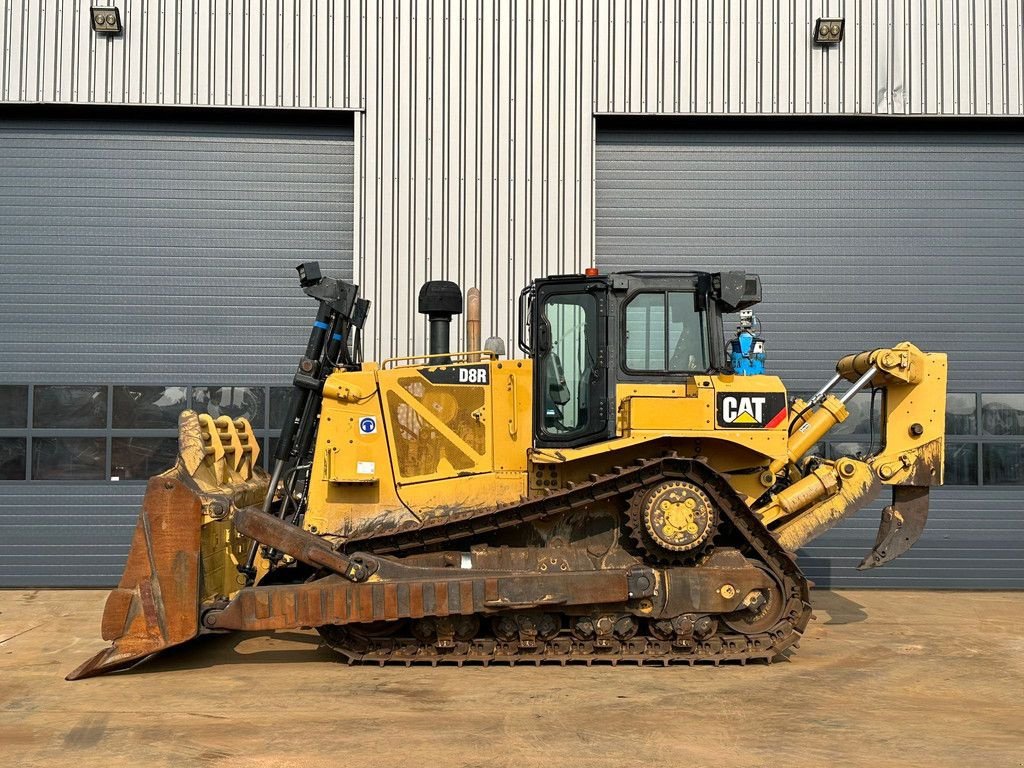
{"x":882,"y":679}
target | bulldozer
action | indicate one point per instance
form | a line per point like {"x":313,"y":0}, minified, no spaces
{"x":627,"y":491}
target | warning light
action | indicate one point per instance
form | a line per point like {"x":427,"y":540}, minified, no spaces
{"x":591,"y":272}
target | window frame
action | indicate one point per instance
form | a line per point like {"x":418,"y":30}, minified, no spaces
{"x":666,"y":372}
{"x":108,"y":432}
{"x":600,"y":424}
{"x":584,"y":427}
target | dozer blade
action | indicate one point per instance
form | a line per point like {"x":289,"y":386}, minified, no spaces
{"x":156,"y":603}
{"x":901,"y":526}
{"x":169,"y":573}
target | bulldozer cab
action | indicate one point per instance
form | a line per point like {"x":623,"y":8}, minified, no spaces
{"x":586,"y":334}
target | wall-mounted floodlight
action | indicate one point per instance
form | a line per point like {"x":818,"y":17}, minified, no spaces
{"x":828,"y":31}
{"x":106,"y":21}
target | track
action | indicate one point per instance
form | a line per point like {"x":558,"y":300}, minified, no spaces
{"x":713,"y":642}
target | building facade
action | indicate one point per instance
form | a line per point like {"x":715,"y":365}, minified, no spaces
{"x":159,"y":184}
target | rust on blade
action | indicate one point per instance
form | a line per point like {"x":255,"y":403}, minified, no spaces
{"x":156,"y":603}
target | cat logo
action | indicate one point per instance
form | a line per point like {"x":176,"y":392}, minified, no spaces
{"x":742,"y":410}
{"x":751,"y":410}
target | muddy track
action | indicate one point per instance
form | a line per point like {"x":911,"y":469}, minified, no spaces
{"x":724,"y":645}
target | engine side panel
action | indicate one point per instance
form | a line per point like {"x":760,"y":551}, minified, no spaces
{"x":352,"y":479}
{"x":414,"y":443}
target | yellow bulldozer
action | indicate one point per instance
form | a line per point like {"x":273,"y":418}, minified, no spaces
{"x":633,"y":490}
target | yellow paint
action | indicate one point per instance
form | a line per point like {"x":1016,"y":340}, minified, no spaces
{"x":223,"y":550}
{"x":912,"y":453}
{"x":438,"y":447}
{"x":822,"y":482}
{"x":852,"y":494}
{"x":352,"y":476}
{"x":435,"y":449}
{"x":511,"y":386}
{"x":812,"y":426}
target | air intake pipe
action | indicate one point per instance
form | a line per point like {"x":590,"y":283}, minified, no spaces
{"x":439,"y":300}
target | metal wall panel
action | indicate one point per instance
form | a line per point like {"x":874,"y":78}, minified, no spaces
{"x":477,"y":134}
{"x":476,"y":150}
{"x":861,"y":239}
{"x":158,"y":253}
{"x":66,"y":534}
{"x":231,"y":53}
{"x":974,"y":540}
{"x":902,"y":57}
{"x":153,"y":251}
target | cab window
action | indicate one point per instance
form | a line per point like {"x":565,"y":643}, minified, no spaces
{"x":665,"y":333}
{"x":568,"y":363}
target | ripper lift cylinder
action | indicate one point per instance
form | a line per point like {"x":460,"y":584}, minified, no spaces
{"x":810,"y":429}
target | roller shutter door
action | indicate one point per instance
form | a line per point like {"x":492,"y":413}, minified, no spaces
{"x":145,"y":264}
{"x":861,"y":239}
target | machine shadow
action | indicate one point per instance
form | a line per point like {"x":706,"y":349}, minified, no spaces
{"x":220,"y":650}
{"x":841,"y":609}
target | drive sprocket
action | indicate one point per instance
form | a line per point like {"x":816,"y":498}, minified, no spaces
{"x":672,"y":522}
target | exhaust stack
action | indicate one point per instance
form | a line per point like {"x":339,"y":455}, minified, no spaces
{"x":439,"y":300}
{"x":473,"y":323}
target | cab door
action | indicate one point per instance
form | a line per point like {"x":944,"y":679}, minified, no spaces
{"x":569,"y":326}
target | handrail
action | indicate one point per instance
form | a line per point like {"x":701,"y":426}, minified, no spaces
{"x":486,"y":353}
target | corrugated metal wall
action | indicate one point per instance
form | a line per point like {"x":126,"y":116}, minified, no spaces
{"x":475,"y":148}
{"x":477,"y":154}
{"x":475,"y":128}
{"x":478,"y":131}
{"x":233,"y":53}
{"x":152,"y":250}
{"x":901,"y":57}
{"x":156,"y":252}
{"x":860,"y":238}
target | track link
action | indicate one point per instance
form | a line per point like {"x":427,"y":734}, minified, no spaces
{"x":562,"y":651}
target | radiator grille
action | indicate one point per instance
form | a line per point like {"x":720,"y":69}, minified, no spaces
{"x":425,"y":424}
